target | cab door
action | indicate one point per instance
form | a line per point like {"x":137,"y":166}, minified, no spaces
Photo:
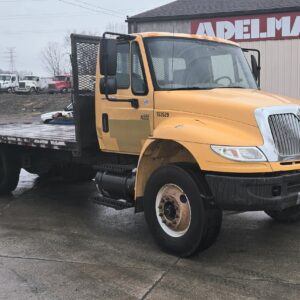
{"x":125,"y":128}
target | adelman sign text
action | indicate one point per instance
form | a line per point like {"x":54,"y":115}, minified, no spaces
{"x":251,"y":28}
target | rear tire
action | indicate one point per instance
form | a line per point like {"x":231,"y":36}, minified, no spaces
{"x":180,"y":220}
{"x":9,"y":172}
{"x":289,"y":215}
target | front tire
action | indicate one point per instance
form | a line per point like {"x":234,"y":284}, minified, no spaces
{"x":180,"y":220}
{"x":9,"y":172}
{"x":289,"y":215}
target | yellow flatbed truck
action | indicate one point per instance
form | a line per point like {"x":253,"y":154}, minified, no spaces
{"x":174,"y":125}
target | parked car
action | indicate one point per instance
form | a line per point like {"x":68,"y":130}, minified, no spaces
{"x":65,"y":115}
{"x":28,"y":85}
{"x":8,"y":82}
{"x":60,"y":84}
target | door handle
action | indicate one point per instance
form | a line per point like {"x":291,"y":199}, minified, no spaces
{"x":105,"y":123}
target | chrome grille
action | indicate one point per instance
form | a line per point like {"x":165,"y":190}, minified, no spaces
{"x":22,"y":84}
{"x":285,"y":130}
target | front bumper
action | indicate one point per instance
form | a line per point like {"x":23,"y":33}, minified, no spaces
{"x":253,"y":193}
{"x":54,"y":90}
{"x":22,"y":90}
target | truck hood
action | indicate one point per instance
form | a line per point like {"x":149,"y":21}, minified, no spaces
{"x":231,"y":104}
{"x":28,"y":82}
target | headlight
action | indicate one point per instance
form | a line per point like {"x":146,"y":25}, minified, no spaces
{"x":248,"y":154}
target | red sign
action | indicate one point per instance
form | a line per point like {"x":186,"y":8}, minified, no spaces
{"x":251,"y":28}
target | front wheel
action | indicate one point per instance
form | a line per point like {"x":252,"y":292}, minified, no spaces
{"x":289,"y":215}
{"x":178,"y":217}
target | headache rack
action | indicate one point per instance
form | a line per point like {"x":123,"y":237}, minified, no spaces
{"x":84,"y":56}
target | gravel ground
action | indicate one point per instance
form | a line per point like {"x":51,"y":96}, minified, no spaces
{"x":28,"y":108}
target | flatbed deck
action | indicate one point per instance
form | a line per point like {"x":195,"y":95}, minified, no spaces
{"x":58,"y":137}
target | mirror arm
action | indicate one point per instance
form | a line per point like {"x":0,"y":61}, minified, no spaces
{"x":134,"y":102}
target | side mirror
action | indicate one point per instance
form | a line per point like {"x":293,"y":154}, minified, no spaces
{"x":255,"y":67}
{"x":108,"y":57}
{"x":108,"y":86}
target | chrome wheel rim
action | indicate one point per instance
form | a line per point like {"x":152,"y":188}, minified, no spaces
{"x":173,"y":210}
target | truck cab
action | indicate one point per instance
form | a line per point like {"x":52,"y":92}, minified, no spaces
{"x":191,"y":108}
{"x":28,"y":85}
{"x":8,"y":82}
{"x":60,"y":84}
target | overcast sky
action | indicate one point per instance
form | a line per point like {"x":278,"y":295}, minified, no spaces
{"x":29,"y":25}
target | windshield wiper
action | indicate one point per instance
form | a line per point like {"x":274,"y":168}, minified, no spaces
{"x":192,"y":88}
{"x":231,"y":87}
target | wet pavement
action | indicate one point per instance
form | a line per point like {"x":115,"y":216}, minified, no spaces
{"x":56,"y":244}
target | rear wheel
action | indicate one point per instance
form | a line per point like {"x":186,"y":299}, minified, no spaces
{"x":9,"y":172}
{"x":178,"y":217}
{"x":289,"y":215}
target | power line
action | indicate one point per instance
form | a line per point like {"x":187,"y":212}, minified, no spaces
{"x":100,"y":7}
{"x":33,"y":32}
{"x":28,"y":16}
{"x":91,"y":9}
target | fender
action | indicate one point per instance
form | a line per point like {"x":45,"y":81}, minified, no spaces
{"x":208,"y":130}
{"x":189,"y":140}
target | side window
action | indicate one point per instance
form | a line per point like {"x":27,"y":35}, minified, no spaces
{"x":138,"y":81}
{"x":123,"y":69}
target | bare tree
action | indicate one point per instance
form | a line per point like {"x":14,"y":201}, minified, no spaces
{"x":53,"y":58}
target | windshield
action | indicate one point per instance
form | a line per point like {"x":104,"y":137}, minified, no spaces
{"x":31,"y":78}
{"x":59,"y":78}
{"x":179,"y":63}
{"x":5,"y":78}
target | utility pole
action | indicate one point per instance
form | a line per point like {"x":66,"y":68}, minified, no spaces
{"x":11,"y":57}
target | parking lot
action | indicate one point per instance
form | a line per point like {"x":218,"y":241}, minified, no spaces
{"x":58,"y":244}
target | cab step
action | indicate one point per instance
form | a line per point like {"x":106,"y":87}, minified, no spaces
{"x":112,"y":203}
